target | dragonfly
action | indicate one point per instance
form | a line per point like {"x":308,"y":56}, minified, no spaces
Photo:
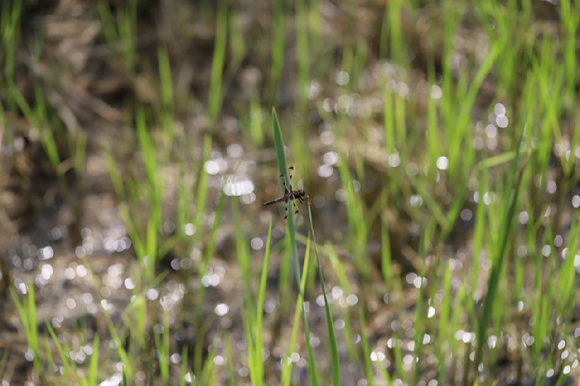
{"x":290,"y":195}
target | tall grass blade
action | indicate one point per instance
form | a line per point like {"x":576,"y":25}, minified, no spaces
{"x":278,"y":37}
{"x":281,"y":158}
{"x":61,"y":351}
{"x":286,"y":362}
{"x":166,"y":95}
{"x":219,"y":53}
{"x":329,"y":319}
{"x":462,"y":128}
{"x":365,"y":346}
{"x":151,"y":358}
{"x":94,"y":363}
{"x":493,"y":281}
{"x":183,"y":371}
{"x":27,"y":312}
{"x":260,"y":305}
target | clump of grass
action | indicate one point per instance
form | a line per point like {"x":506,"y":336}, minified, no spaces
{"x":120,"y":33}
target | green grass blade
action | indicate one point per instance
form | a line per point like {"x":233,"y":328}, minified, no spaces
{"x":302,"y":53}
{"x":29,"y":322}
{"x":281,"y":157}
{"x":94,"y":364}
{"x":329,"y":319}
{"x":311,"y":357}
{"x":493,"y":281}
{"x":183,"y":371}
{"x":278,"y":37}
{"x":365,"y":346}
{"x":166,"y":95}
{"x":123,"y":355}
{"x":462,"y":127}
{"x":287,"y":363}
{"x":261,"y":299}
{"x":151,"y":357}
{"x":207,"y":256}
{"x":202,"y":187}
{"x":60,"y":350}
{"x":219,"y":53}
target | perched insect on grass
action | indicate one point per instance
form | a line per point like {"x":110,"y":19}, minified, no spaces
{"x":290,"y":195}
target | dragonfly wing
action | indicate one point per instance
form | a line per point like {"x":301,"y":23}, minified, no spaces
{"x":283,"y":209}
{"x":281,"y":188}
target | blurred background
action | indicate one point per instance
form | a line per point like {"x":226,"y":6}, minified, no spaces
{"x":438,"y":143}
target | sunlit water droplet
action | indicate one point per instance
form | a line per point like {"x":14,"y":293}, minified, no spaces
{"x":327,"y":138}
{"x":442,"y":163}
{"x":436,"y":92}
{"x":314,"y":89}
{"x":431,"y":312}
{"x":212,"y":167}
{"x":256,"y":243}
{"x":412,"y":169}
{"x":222,"y":309}
{"x":416,"y":200}
{"x":235,"y":150}
{"x":393,"y":160}
{"x":341,"y":195}
{"x":238,"y":186}
{"x":325,"y":171}
{"x":330,"y":158}
{"x":546,"y":249}
{"x":342,"y":78}
{"x":502,"y":121}
{"x":466,"y":215}
{"x":351,"y":300}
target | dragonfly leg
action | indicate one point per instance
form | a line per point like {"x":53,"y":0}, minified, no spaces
{"x":304,"y":200}
{"x":295,"y":206}
{"x":286,"y":191}
{"x":285,"y":210}
{"x":291,"y":168}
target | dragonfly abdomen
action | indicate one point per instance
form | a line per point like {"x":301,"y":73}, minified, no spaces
{"x":282,"y":199}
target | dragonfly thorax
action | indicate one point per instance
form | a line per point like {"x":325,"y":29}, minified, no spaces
{"x":299,"y":193}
